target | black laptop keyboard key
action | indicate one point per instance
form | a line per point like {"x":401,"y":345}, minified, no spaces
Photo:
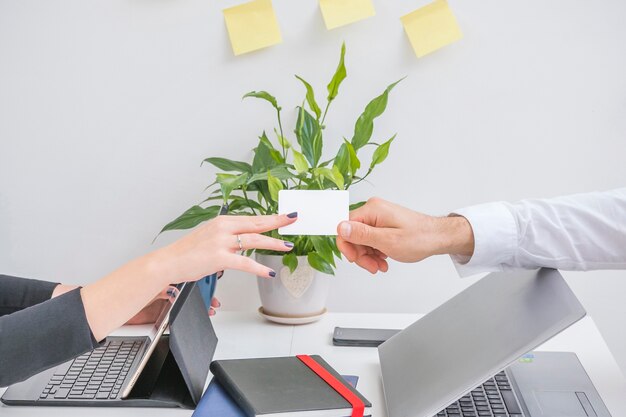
{"x":511,"y":403}
{"x":488,"y":400}
{"x":97,"y":374}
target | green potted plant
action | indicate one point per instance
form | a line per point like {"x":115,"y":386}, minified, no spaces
{"x":299,"y":291}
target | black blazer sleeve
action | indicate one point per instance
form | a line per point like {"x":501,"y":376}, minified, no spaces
{"x":42,"y":336}
{"x":19,"y":293}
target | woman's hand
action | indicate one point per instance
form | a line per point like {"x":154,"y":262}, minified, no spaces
{"x":215,"y":246}
{"x":380,"y":229}
{"x":150,"y":313}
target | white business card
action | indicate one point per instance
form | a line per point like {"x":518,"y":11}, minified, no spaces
{"x":319,"y":211}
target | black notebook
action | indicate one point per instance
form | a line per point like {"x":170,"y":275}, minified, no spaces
{"x":283,"y":387}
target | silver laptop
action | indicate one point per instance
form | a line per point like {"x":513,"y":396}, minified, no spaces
{"x":455,"y":360}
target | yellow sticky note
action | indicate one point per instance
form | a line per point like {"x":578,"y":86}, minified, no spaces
{"x":342,"y":12}
{"x":431,"y":27}
{"x":252,"y":26}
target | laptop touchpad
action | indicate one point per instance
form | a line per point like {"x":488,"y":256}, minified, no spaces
{"x":560,"y":404}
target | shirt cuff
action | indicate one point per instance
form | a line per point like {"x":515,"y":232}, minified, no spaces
{"x":495,"y":238}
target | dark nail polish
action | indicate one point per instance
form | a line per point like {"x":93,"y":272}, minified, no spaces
{"x":272,"y":274}
{"x":293,"y":215}
{"x":288,"y":244}
{"x":171,"y":292}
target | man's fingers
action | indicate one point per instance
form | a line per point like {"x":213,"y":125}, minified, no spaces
{"x":367,"y":212}
{"x":373,"y":213}
{"x":373,"y":263}
{"x":257,"y":241}
{"x":380,"y":254}
{"x":260,"y":224}
{"x":383,"y":266}
{"x":245,"y":264}
{"x":348,"y":249}
{"x":368,"y":263}
{"x":362,"y":234}
{"x":367,"y":258}
{"x":352,"y":251}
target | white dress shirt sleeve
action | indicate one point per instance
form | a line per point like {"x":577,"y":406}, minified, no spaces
{"x":577,"y":232}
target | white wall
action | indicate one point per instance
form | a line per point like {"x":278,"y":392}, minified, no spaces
{"x":107,"y":108}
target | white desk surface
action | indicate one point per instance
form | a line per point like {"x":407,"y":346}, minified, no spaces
{"x":245,"y":334}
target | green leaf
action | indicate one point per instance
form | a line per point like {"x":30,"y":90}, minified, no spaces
{"x":282,"y":141}
{"x":317,"y":146}
{"x":214,"y":197}
{"x":238,"y":203}
{"x":264,"y":95}
{"x":325,"y":163}
{"x":365,"y":123}
{"x":290,"y":260}
{"x":211,"y":185}
{"x":309,"y":135}
{"x":381,"y":152}
{"x":355,"y":163}
{"x":274,"y":185}
{"x":318,"y":263}
{"x":333,"y":244}
{"x":342,"y":160}
{"x":192,"y":217}
{"x":332,"y":175}
{"x":230,"y":182}
{"x":263,"y":157}
{"x":310,"y":98}
{"x":262,"y":190}
{"x":281,"y":172}
{"x":338,"y":77}
{"x":229,"y":165}
{"x":323,"y":248}
{"x":357,"y":205}
{"x":300,"y":162}
{"x":338,"y":177}
{"x":274,"y":153}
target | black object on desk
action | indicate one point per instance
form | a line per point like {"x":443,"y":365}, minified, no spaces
{"x":347,"y":336}
{"x":284,"y":385}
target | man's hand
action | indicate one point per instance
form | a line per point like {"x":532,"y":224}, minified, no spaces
{"x":380,"y":229}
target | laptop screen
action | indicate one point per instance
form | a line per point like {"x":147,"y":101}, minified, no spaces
{"x":471,"y":337}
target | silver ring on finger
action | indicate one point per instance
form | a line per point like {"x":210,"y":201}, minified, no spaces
{"x":241,"y":249}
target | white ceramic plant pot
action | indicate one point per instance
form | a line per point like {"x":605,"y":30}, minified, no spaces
{"x":292,"y":298}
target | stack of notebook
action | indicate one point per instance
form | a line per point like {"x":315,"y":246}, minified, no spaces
{"x":278,"y":387}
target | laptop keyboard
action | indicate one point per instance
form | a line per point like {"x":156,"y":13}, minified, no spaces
{"x":494,"y":398}
{"x":98,"y":374}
